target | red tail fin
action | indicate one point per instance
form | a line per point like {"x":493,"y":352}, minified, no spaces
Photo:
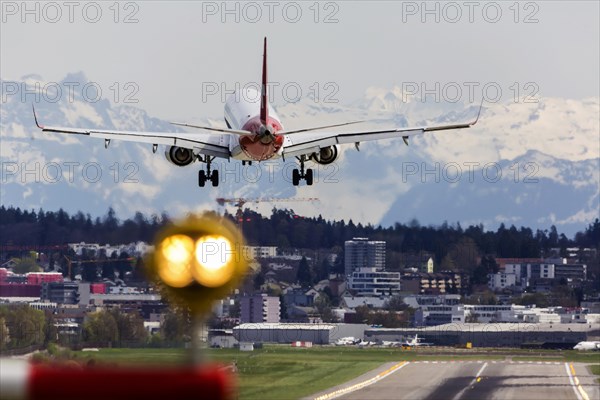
{"x":264,"y":103}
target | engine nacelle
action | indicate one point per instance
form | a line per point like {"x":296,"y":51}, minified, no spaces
{"x":180,"y":156}
{"x":326,"y":155}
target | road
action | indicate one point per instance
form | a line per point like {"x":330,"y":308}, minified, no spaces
{"x":466,"y":380}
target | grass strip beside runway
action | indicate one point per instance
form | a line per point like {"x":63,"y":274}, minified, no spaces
{"x":282,"y":372}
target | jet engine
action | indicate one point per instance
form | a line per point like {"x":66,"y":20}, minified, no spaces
{"x":180,"y":156}
{"x":326,"y":155}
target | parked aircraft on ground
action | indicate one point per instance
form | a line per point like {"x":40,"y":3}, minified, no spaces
{"x":587,"y":346}
{"x":416,"y":341}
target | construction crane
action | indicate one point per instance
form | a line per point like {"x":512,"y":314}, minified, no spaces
{"x":239,"y":202}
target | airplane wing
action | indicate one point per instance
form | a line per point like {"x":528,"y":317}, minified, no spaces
{"x":302,"y":143}
{"x":212,"y":144}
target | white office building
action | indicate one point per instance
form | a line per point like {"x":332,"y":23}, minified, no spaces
{"x":501,"y":280}
{"x":374,"y":282}
{"x":363,"y":253}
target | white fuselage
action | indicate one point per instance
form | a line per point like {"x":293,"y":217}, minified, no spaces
{"x":587,"y":346}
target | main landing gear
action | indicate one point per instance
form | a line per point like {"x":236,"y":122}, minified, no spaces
{"x":297,"y":175}
{"x":207,"y":175}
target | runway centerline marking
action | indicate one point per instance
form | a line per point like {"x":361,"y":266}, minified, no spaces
{"x":473,"y":382}
{"x":579,"y":391}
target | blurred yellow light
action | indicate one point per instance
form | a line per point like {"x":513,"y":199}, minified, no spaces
{"x":177,"y":252}
{"x":213,"y":256}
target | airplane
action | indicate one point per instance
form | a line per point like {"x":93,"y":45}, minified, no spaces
{"x":587,"y":346}
{"x":346,"y":341}
{"x":386,"y":343}
{"x":254,"y":133}
{"x":363,"y":343}
{"x":416,"y":341}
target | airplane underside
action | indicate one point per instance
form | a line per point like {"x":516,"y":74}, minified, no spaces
{"x":251,"y":149}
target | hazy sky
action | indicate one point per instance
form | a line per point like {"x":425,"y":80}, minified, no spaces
{"x":175,"y":51}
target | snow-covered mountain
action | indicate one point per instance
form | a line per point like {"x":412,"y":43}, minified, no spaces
{"x":531,"y":164}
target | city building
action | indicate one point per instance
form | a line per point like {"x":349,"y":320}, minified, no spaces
{"x":374,"y":282}
{"x":222,"y":338}
{"x":13,"y":291}
{"x":298,"y":297}
{"x":146,"y":304}
{"x":445,"y":282}
{"x":260,"y":251}
{"x":571,"y":272}
{"x":133,"y":249}
{"x":61,"y":292}
{"x":501,"y":280}
{"x":363,"y":253}
{"x":537,"y":275}
{"x":351,"y":302}
{"x":38,"y":278}
{"x":259,"y":308}
{"x":337,"y":284}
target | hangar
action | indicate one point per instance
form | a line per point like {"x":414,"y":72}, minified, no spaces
{"x":493,"y":334}
{"x":292,"y":332}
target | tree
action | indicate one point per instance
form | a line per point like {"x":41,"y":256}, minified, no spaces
{"x":235,"y":310}
{"x":363,"y":314}
{"x":322,"y":301}
{"x":4,"y":334}
{"x":101,"y":328}
{"x":539,"y":299}
{"x":486,"y":266}
{"x":51,"y":331}
{"x":123,"y":265}
{"x":89,"y":270}
{"x":389,"y":319}
{"x":108,"y":266}
{"x":471,"y":319}
{"x":130,"y":326}
{"x":176,"y":326}
{"x":304,"y":275}
{"x":462,"y":255}
{"x":327,"y":315}
{"x":259,"y":279}
{"x":323,"y":271}
{"x":395,"y":303}
{"x":338,"y":265}
{"x":25,"y":265}
{"x":25,"y":325}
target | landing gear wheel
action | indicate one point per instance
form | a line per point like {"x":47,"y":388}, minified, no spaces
{"x":308,"y":177}
{"x":204,"y":176}
{"x":214,"y":178}
{"x":295,"y":177}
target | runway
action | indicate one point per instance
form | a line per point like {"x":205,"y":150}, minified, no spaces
{"x":465,"y":380}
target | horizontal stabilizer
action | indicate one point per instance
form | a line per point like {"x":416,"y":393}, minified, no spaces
{"x":209,"y":128}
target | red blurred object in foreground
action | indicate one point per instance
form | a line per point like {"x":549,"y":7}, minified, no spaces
{"x":90,"y":383}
